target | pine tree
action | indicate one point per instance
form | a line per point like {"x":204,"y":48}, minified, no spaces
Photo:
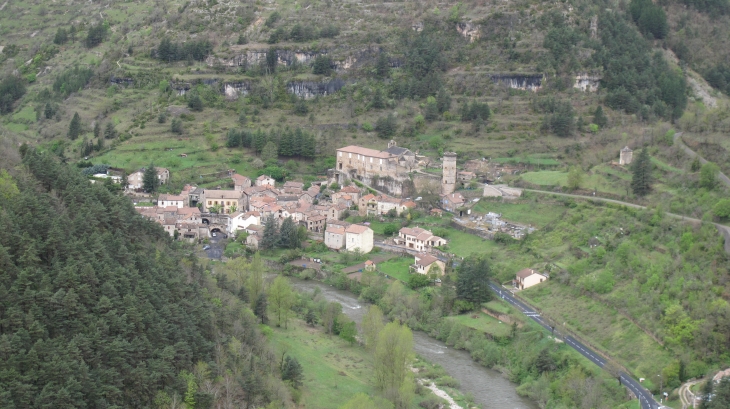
{"x":270,"y":151}
{"x":292,"y":371}
{"x":641,"y":179}
{"x":311,"y":317}
{"x":599,"y":118}
{"x":74,"y":128}
{"x":443,"y":101}
{"x":271,"y":233}
{"x":378,"y":100}
{"x":382,"y":68}
{"x":288,"y":236}
{"x":149,"y":178}
{"x":472,"y":282}
{"x":48,"y":111}
{"x":97,"y":129}
{"x":272,"y":59}
{"x":259,"y":308}
{"x":109,"y":131}
{"x":309,"y":147}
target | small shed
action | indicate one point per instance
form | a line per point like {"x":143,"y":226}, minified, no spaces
{"x":370,"y":265}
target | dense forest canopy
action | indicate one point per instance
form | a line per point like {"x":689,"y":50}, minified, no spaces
{"x":95,"y":309}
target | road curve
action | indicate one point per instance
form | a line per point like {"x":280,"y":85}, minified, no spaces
{"x":680,"y":142}
{"x":724,"y":230}
{"x":646,"y":400}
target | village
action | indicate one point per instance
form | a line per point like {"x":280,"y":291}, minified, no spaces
{"x":202,"y":215}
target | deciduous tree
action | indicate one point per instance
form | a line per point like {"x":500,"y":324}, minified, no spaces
{"x":472,"y":282}
{"x":281,"y":299}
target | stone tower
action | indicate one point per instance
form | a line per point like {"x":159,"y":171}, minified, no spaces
{"x":626,"y":156}
{"x":448,"y":182}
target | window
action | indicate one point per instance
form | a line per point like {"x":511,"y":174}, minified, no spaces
{"x":349,"y":156}
{"x":228,"y":203}
{"x":216,"y":202}
{"x":209,"y":203}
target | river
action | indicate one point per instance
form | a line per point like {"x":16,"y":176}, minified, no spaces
{"x":489,"y":389}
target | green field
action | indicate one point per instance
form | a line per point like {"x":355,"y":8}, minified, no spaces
{"x":533,"y":212}
{"x":333,"y":370}
{"x":397,"y":268}
{"x":463,"y":244}
{"x":484,"y":323}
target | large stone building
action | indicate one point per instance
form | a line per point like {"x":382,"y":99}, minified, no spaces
{"x":356,"y":162}
{"x":136,"y":179}
{"x":226,"y":201}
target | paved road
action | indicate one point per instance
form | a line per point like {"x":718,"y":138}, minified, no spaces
{"x":724,"y":230}
{"x":216,"y":248}
{"x":645,"y":398}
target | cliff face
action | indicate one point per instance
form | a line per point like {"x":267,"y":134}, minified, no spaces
{"x":346,"y":60}
{"x":311,"y":89}
{"x":587,"y":82}
{"x":526,"y":82}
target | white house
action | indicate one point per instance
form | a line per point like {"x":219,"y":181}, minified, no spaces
{"x":334,"y":236}
{"x":241,"y":221}
{"x":171,"y":200}
{"x":527,"y":278}
{"x":359,"y":237}
{"x":418,"y":239}
{"x":264,"y":180}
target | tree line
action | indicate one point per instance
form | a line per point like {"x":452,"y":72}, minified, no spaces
{"x":194,"y":50}
{"x":288,"y":143}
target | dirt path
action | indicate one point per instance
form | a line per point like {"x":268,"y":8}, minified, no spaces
{"x":3,"y":6}
{"x":686,"y":396}
{"x":724,"y":230}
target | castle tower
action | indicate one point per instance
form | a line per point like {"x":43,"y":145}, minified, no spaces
{"x":448,"y":182}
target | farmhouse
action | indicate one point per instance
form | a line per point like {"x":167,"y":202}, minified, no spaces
{"x":418,"y":239}
{"x":424,"y":262}
{"x":136,"y":179}
{"x":527,"y":278}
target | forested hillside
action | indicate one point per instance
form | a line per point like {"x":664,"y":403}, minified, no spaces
{"x":98,"y":308}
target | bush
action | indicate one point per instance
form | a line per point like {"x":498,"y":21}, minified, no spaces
{"x":11,"y":89}
{"x":447,"y":381}
{"x":417,"y":280}
{"x":722,"y":209}
{"x":386,"y":126}
{"x":433,"y":402}
{"x":322,"y":65}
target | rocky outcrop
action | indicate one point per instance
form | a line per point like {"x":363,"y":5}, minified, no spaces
{"x":468,"y":30}
{"x":121,"y":81}
{"x":587,"y":82}
{"x":525,"y":82}
{"x":311,"y":89}
{"x":234,"y":90}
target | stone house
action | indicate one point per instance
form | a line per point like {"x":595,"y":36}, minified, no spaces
{"x":353,"y":191}
{"x":253,"y":240}
{"x":528,"y":277}
{"x":359,"y":238}
{"x":367,"y":205}
{"x":336,"y":211}
{"x":370,"y":265}
{"x":452,"y":202}
{"x":315,"y":223}
{"x":423,"y":263}
{"x":240,"y":182}
{"x":136,"y":180}
{"x":464,"y":177}
{"x":164,"y":200}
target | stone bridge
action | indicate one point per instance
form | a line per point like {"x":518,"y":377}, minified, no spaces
{"x":217,"y":223}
